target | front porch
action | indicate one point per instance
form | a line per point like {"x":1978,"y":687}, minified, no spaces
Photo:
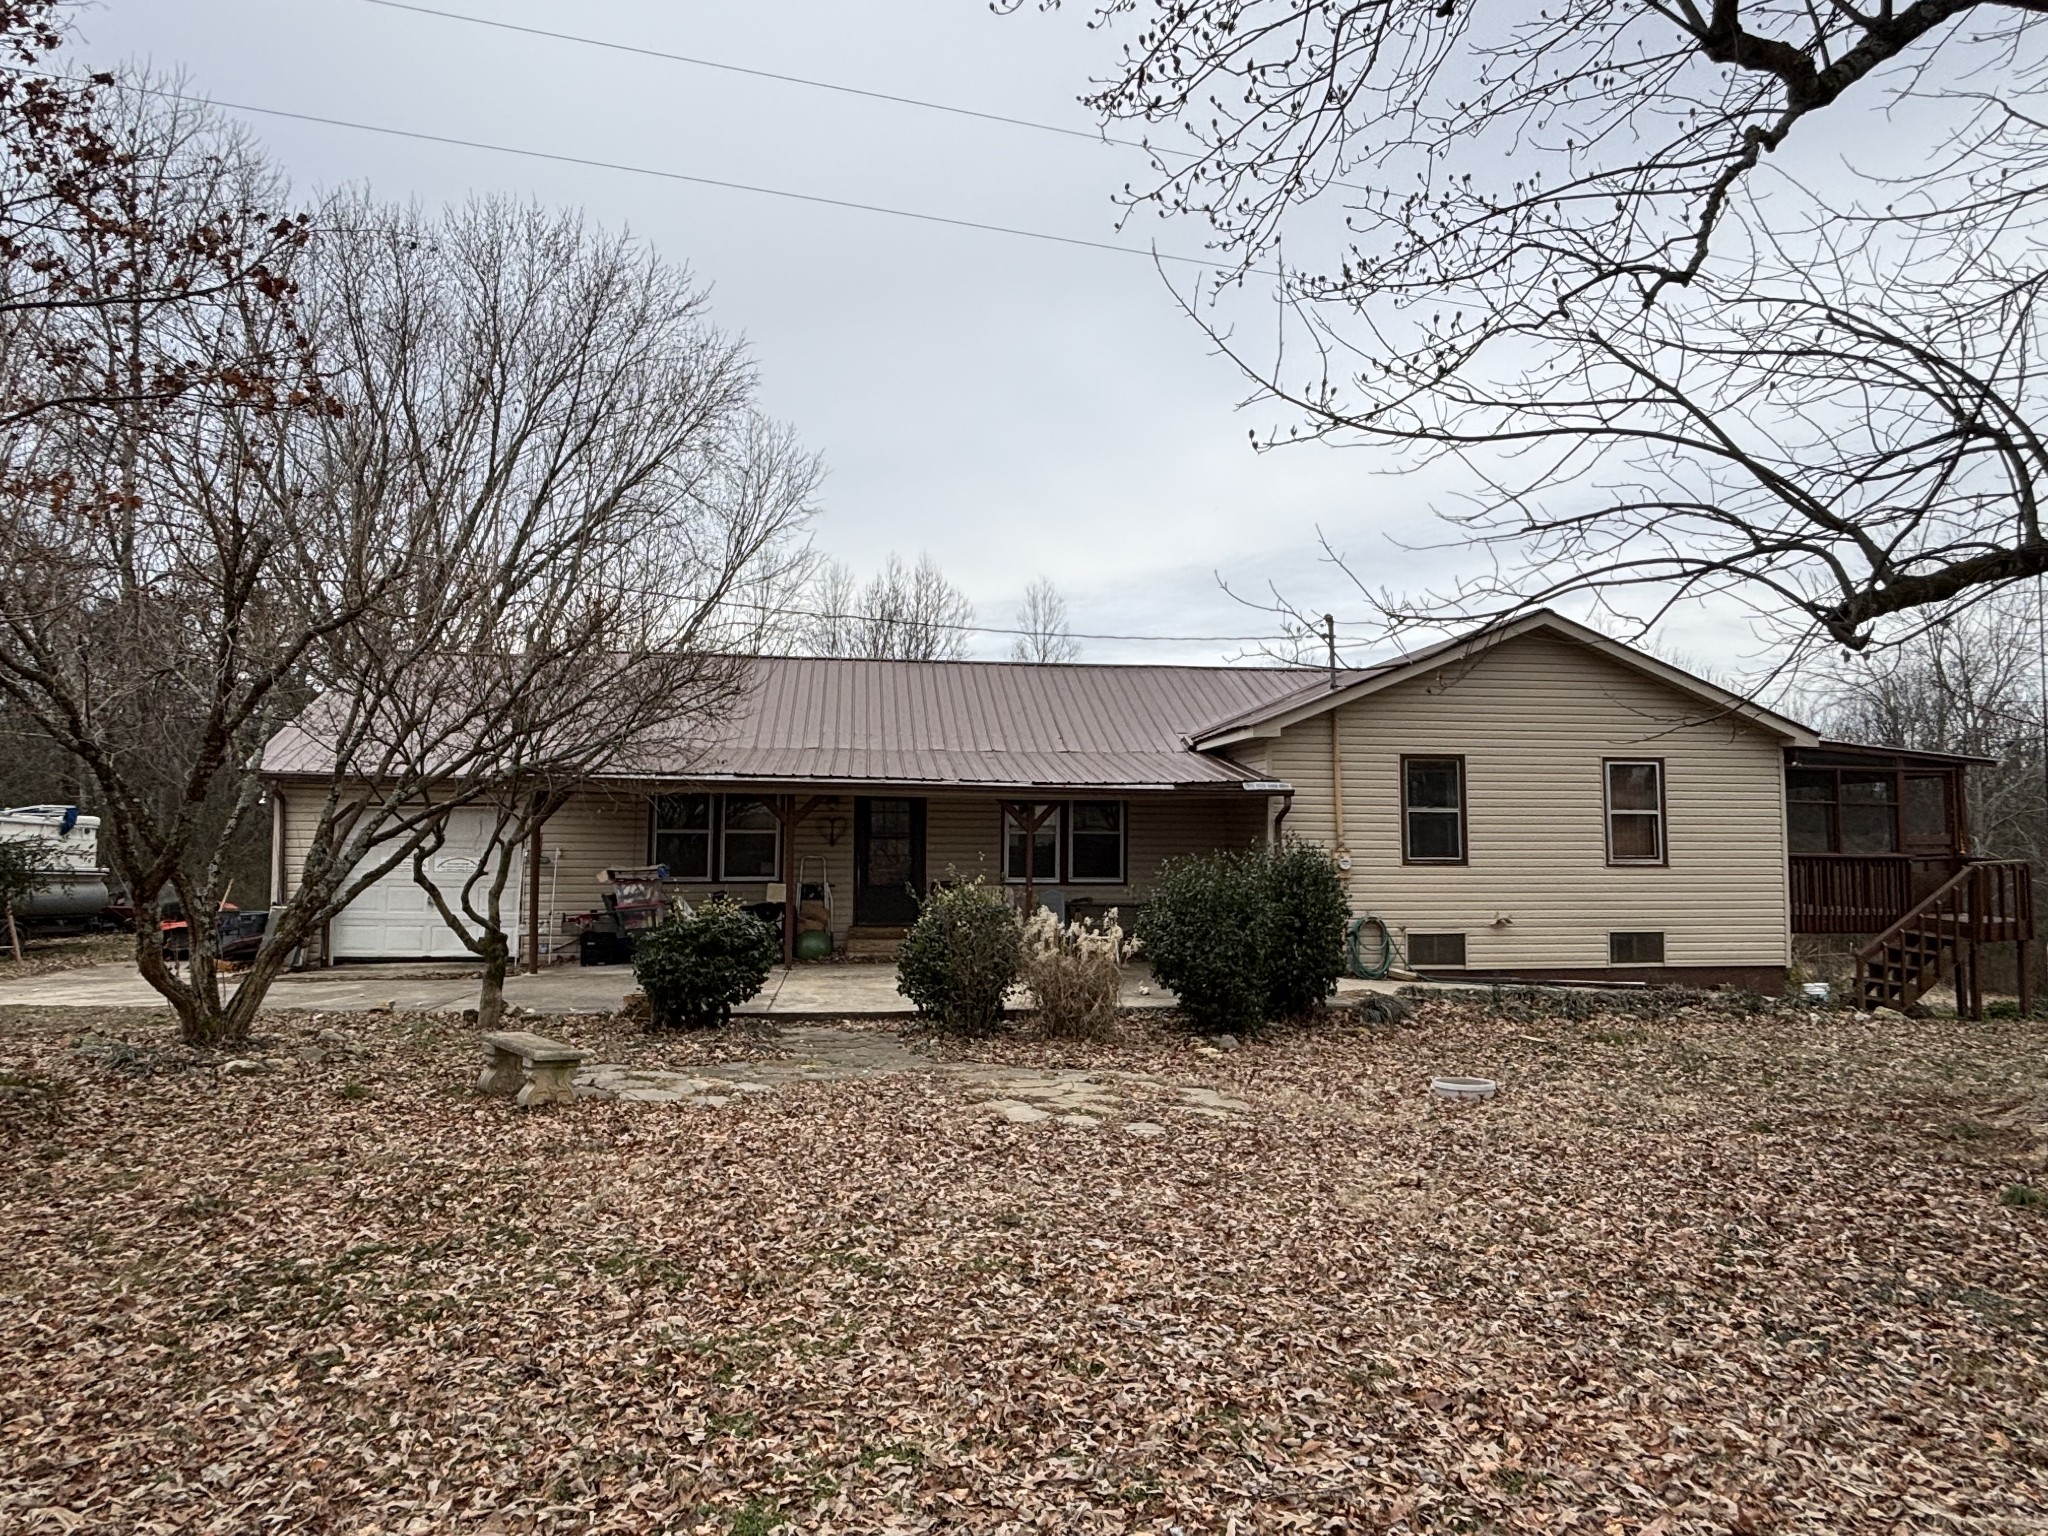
{"x":851,"y":862}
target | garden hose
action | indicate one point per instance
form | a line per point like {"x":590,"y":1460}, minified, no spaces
{"x":1384,"y":944}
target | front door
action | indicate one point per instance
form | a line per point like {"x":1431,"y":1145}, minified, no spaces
{"x":888,"y":860}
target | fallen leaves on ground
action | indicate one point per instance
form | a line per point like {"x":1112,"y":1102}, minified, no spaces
{"x":1697,"y":1275}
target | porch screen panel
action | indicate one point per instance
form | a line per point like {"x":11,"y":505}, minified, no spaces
{"x":1926,"y":810}
{"x":1870,"y":813}
{"x":1810,"y":810}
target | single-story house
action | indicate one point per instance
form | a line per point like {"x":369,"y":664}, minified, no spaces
{"x":1533,"y":800}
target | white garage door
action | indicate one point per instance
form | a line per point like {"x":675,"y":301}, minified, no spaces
{"x":394,"y":920}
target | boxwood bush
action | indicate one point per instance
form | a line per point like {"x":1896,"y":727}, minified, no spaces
{"x":696,"y":968}
{"x":1246,"y":938}
{"x":961,"y":958}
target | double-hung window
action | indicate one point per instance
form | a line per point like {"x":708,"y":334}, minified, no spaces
{"x":682,"y":835}
{"x":1095,"y":841}
{"x":1433,"y":810}
{"x":1042,"y":842}
{"x":1635,"y":811}
{"x":751,"y":838}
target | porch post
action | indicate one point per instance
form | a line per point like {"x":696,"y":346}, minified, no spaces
{"x":789,"y":822}
{"x":533,"y":903}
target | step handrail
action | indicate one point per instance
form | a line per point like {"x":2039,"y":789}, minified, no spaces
{"x":1920,"y":910}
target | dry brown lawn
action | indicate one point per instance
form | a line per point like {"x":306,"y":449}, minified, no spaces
{"x":1703,"y":1274}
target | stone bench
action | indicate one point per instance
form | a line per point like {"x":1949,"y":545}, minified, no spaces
{"x":536,"y":1069}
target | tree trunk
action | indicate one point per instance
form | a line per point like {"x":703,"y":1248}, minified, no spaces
{"x":202,"y":1022}
{"x":497,"y":958}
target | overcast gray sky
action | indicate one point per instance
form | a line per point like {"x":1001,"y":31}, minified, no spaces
{"x":1014,"y":407}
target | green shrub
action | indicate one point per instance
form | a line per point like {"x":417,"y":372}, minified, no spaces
{"x":1244,"y":938}
{"x":1302,"y":939}
{"x":961,"y":958}
{"x":697,"y":967}
{"x":1201,"y":929}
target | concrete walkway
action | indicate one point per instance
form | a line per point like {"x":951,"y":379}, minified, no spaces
{"x":1141,"y":1103}
{"x":800,"y":992}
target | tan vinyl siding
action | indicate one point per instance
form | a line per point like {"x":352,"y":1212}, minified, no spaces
{"x":1534,"y":718}
{"x":601,"y":831}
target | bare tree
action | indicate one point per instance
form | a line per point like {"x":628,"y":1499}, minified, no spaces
{"x":463,"y":455}
{"x":625,"y":679}
{"x":903,"y":613}
{"x":1971,"y":685}
{"x":1047,"y":637}
{"x":1600,"y":251}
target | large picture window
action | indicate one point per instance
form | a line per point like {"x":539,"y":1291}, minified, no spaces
{"x":1433,"y":810}
{"x":752,"y":840}
{"x":682,"y":835}
{"x":1095,"y":841}
{"x":1635,"y":812}
{"x":1044,"y":845}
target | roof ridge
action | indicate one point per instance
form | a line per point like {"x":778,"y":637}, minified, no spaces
{"x":1303,"y":669}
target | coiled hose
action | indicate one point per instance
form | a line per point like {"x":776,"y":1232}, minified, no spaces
{"x":1377,"y":968}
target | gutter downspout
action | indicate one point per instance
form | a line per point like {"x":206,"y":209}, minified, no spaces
{"x":533,"y":858}
{"x":1341,"y":852}
{"x":276,"y":845}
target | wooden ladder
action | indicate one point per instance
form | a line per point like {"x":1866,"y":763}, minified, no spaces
{"x":1986,"y":901}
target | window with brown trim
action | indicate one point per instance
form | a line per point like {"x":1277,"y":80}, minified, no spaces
{"x":1433,"y":810}
{"x":1635,"y":811}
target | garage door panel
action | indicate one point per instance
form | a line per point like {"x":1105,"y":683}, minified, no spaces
{"x":393,"y":919}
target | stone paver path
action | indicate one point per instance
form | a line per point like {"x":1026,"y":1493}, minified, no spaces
{"x":1079,"y":1098}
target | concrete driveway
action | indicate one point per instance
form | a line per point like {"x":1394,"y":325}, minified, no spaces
{"x":823,"y":991}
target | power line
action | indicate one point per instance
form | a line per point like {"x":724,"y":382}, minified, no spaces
{"x":760,"y":74}
{"x":665,"y":175}
{"x":786,"y":611}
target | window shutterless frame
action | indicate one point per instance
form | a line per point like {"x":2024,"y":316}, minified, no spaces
{"x":1433,"y":809}
{"x":1628,"y":774}
{"x":702,"y":825}
{"x":1048,"y":843}
{"x":1098,"y":842}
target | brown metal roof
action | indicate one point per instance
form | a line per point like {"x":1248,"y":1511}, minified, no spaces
{"x":1008,"y":725}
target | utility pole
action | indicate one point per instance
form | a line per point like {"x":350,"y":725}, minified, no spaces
{"x":1330,"y":642}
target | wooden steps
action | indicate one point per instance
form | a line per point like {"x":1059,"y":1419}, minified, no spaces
{"x":1987,"y":901}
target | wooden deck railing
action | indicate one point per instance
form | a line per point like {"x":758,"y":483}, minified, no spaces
{"x":1833,"y":893}
{"x":1987,"y":901}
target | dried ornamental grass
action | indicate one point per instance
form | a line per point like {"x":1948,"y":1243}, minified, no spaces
{"x":1074,"y":972}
